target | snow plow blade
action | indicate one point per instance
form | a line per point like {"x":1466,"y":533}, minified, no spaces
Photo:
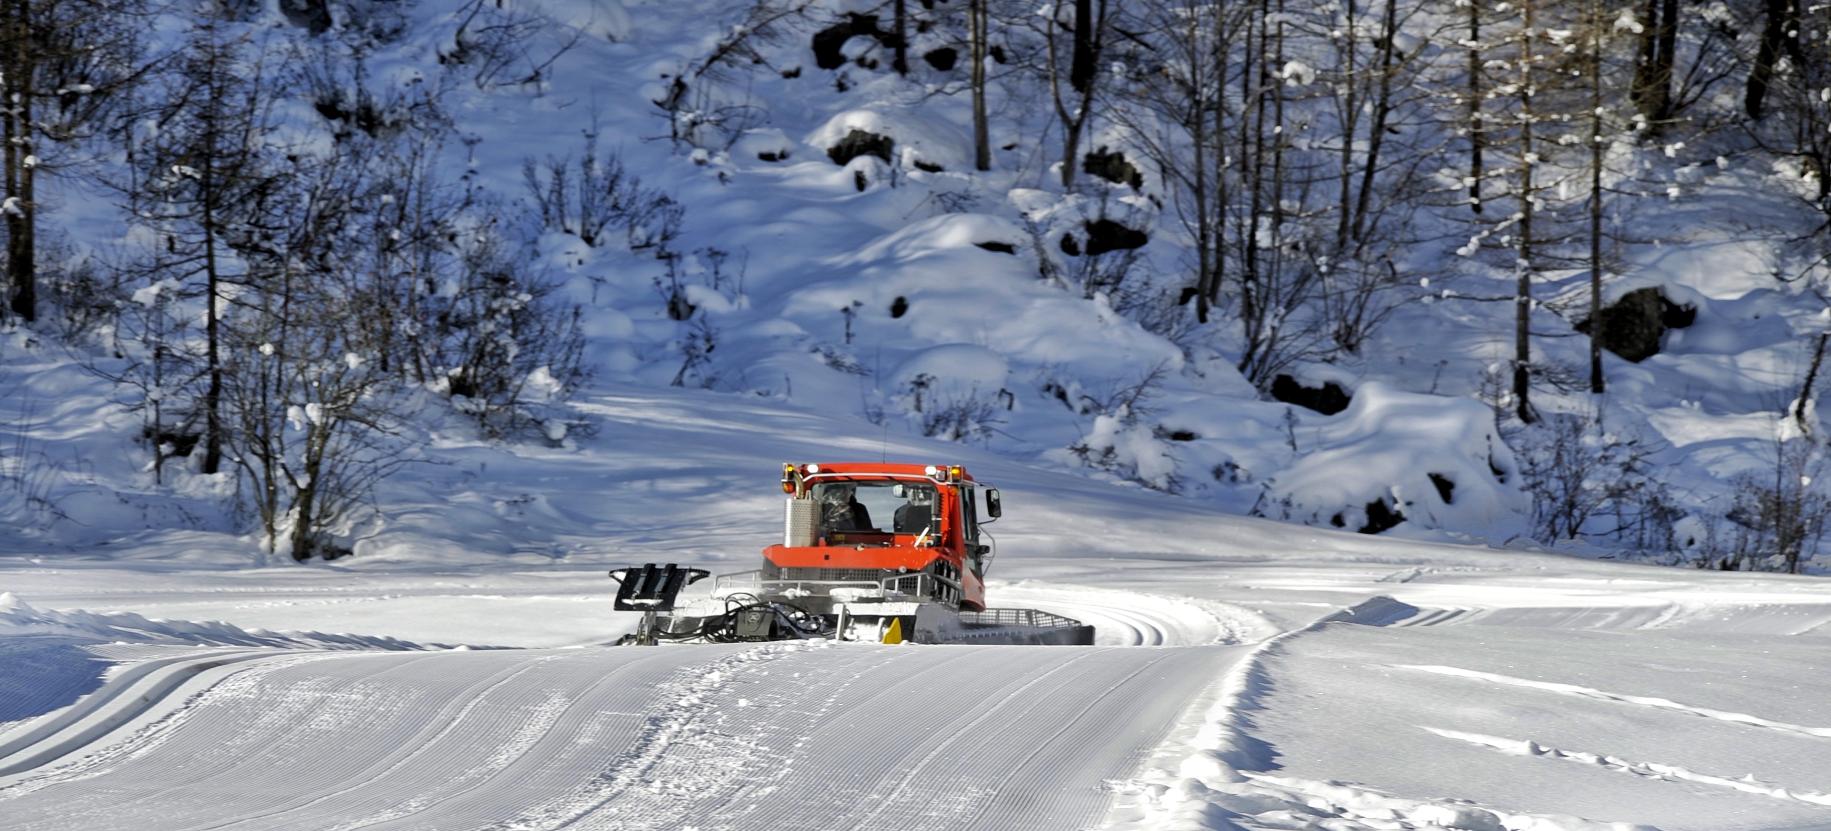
{"x":1019,"y":626}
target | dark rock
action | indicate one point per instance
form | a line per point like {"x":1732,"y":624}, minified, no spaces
{"x":1327,"y":399}
{"x":860,"y":143}
{"x":931,"y":167}
{"x":181,"y":443}
{"x":1382,"y":517}
{"x":311,"y":15}
{"x":999,"y":247}
{"x":830,"y":43}
{"x":1163,"y":432}
{"x":1105,"y":235}
{"x":942,"y":59}
{"x":1446,"y":488}
{"x":859,"y":181}
{"x":899,"y":306}
{"x":773,"y":156}
{"x":1113,"y":167}
{"x":1071,"y":246}
{"x":1633,"y":326}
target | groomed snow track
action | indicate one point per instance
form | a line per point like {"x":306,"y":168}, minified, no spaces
{"x":804,"y":735}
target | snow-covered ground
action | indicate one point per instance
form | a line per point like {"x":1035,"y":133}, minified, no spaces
{"x":1251,"y":674}
{"x":159,"y":671}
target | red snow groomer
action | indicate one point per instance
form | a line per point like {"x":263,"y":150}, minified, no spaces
{"x":870,"y":551}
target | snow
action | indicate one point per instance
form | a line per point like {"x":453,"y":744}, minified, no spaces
{"x":1250,"y":674}
{"x":158,"y":671}
{"x":1406,"y":449}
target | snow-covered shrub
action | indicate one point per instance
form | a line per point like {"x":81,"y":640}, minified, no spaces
{"x":508,"y":341}
{"x":1394,"y":456}
{"x":1122,"y":440}
{"x":907,"y":138}
{"x":1779,"y":515}
{"x":1119,"y":443}
{"x":694,"y":288}
{"x":959,"y":416}
{"x":72,"y":285}
{"x":1588,"y":481}
{"x":588,"y":198}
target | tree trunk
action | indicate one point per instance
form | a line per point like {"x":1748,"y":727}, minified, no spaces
{"x":1351,"y":113}
{"x":1476,"y":139}
{"x":982,"y":142}
{"x":1203,"y":247}
{"x":1780,"y":31}
{"x":1658,"y":106}
{"x":213,"y":393}
{"x":1522,"y":306}
{"x":305,"y":496}
{"x":900,"y":62}
{"x":1082,"y":68}
{"x":1595,"y":202}
{"x":1382,"y":110}
{"x":1252,"y":152}
{"x":1217,"y":209}
{"x":1646,"y":56}
{"x":16,"y":86}
{"x":1805,"y":389}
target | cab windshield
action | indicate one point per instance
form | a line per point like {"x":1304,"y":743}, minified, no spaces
{"x":875,"y":507}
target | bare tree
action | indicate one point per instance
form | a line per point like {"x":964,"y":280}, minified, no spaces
{"x":978,"y":26}
{"x":1074,"y":100}
{"x":203,"y":176}
{"x":1779,"y":40}
{"x":64,"y":66}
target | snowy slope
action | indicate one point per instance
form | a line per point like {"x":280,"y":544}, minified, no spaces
{"x":753,"y":737}
{"x":157,"y":671}
{"x":1388,"y":683}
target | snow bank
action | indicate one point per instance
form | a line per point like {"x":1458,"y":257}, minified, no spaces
{"x":1436,"y":461}
{"x":18,"y":617}
{"x":918,"y":138}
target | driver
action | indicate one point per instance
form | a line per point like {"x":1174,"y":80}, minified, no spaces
{"x":841,"y":510}
{"x":918,"y":513}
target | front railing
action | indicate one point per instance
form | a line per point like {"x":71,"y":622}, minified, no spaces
{"x":922,"y":584}
{"x":1032,"y":618}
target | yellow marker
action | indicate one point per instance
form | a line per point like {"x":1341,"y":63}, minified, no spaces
{"x":895,"y":633}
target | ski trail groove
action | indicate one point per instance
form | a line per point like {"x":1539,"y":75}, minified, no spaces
{"x":121,"y":699}
{"x":1646,"y":770}
{"x":412,"y":748}
{"x":1637,"y":700}
{"x":958,"y":735}
{"x":692,"y":697}
{"x":148,"y":728}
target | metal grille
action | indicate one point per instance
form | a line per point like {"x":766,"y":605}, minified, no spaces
{"x":834,"y":575}
{"x":800,"y":530}
{"x":1017,"y":617}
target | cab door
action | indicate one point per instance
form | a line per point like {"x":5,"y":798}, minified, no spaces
{"x":969,"y":515}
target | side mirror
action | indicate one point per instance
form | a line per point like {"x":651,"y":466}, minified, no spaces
{"x":993,"y":508}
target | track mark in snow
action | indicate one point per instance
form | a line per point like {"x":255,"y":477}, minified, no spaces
{"x":683,"y":729}
{"x":1645,"y":770}
{"x":538,"y":721}
{"x":970,"y":731}
{"x":154,"y":718}
{"x":1638,"y":700}
{"x":1128,"y":618}
{"x":1211,"y":777}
